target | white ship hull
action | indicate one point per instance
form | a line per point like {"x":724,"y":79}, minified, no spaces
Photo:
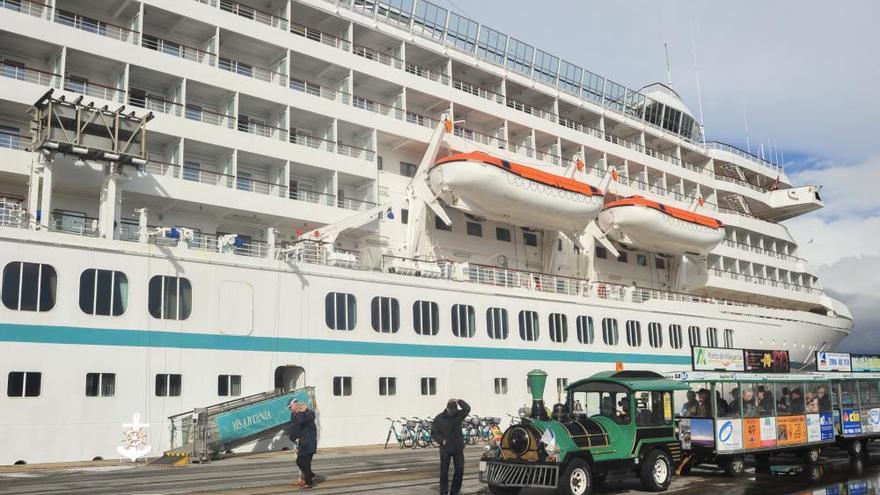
{"x":490,"y":192}
{"x":289,"y":329}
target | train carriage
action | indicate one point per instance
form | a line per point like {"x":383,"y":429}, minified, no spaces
{"x":855,"y":397}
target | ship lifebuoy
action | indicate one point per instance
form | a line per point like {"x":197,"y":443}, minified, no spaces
{"x":602,"y":291}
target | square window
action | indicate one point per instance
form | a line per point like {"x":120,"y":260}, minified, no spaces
{"x":24,"y":384}
{"x":659,"y":263}
{"x":407,"y":169}
{"x":341,"y":386}
{"x":387,"y":386}
{"x":100,"y":384}
{"x":501,"y":386}
{"x":429,"y":386}
{"x":502,"y":234}
{"x":229,"y":385}
{"x":530,"y":239}
{"x":439,"y":224}
{"x":404,"y":216}
{"x":623,"y":258}
{"x":474,"y":229}
{"x":601,"y":252}
{"x":641,"y":260}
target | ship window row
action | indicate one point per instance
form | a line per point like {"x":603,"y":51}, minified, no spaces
{"x":29,"y":384}
{"x":33,"y":287}
{"x":341,"y":314}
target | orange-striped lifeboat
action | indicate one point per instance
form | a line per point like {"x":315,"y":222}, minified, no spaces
{"x":500,"y":190}
{"x":652,"y":226}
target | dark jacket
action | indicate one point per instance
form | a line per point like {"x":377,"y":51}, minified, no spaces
{"x":304,"y":431}
{"x":446,"y":429}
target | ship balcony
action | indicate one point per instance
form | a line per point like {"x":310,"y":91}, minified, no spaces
{"x":423,"y":109}
{"x":355,"y":141}
{"x":172,"y":34}
{"x":529,"y":101}
{"x":15,"y":142}
{"x":94,"y":77}
{"x":209,"y":105}
{"x":29,"y":60}
{"x":426,"y":64}
{"x":733,"y":154}
{"x":92,"y":16}
{"x":246,"y":57}
{"x":320,"y":27}
{"x":730,"y":283}
{"x":377,"y":47}
{"x":29,"y":7}
{"x":317,"y":77}
{"x":377,"y":96}
{"x":260,"y":174}
{"x":261,"y":118}
{"x":155,"y":92}
{"x":478,"y":127}
{"x":272,"y":13}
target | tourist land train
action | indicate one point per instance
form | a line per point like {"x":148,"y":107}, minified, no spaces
{"x":203,"y":202}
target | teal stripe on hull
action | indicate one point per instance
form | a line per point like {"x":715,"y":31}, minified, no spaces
{"x":46,"y":334}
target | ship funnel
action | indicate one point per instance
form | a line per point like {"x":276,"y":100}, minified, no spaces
{"x":537,"y":379}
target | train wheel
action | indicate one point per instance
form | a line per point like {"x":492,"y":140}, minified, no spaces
{"x":577,"y":479}
{"x":734,"y":466}
{"x":656,"y":472}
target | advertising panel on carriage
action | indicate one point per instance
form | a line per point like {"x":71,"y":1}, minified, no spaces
{"x":865,"y":363}
{"x":833,"y":361}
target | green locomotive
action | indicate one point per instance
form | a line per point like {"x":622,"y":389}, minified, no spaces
{"x":612,"y":423}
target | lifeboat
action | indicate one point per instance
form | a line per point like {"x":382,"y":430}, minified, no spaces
{"x":652,"y":226}
{"x":500,"y":190}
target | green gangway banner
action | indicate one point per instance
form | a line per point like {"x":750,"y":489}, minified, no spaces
{"x":252,"y":419}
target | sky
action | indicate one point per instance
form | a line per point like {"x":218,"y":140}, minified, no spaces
{"x":803,"y":76}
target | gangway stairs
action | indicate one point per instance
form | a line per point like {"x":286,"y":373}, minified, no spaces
{"x":204,"y":432}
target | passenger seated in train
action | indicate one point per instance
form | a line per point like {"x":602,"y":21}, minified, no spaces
{"x":689,"y":408}
{"x":765,"y":401}
{"x":705,"y":408}
{"x":733,"y":407}
{"x":824,"y":399}
{"x":797,"y":402}
{"x":783,"y":402}
{"x":623,"y":415}
{"x":722,"y":404}
{"x":812,"y":402}
{"x":750,"y":409}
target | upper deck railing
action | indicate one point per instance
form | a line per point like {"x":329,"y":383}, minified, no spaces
{"x":253,"y":14}
{"x":717,"y":145}
{"x":96,"y":26}
{"x":29,"y":74}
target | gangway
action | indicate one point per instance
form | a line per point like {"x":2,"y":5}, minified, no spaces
{"x":204,"y":432}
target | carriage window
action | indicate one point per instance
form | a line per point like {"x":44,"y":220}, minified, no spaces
{"x":849,"y":393}
{"x":750,"y":401}
{"x":790,"y":398}
{"x":29,"y":286}
{"x":730,"y":395}
{"x":609,"y":400}
{"x":653,"y":408}
{"x":340,"y":311}
{"x":426,"y":318}
{"x":698,"y":401}
{"x":496,"y":323}
{"x":817,"y":398}
{"x":869,"y":396}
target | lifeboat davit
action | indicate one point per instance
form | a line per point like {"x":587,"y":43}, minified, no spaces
{"x":652,"y":226}
{"x":500,"y":190}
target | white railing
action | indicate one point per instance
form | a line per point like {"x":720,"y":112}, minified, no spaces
{"x":248,"y":70}
{"x":96,"y":26}
{"x":314,"y":89}
{"x":192,"y":112}
{"x":28,"y":74}
{"x":355,"y":204}
{"x":73,"y":224}
{"x":766,"y":252}
{"x":207,"y":177}
{"x":155,"y":104}
{"x":477,"y":91}
{"x":94,"y":90}
{"x":263,"y":130}
{"x":731,"y":275}
{"x":320,"y":36}
{"x":479,"y":137}
{"x":12,"y":214}
{"x":377,"y":107}
{"x":162,"y":168}
{"x":313,"y":142}
{"x":313,"y":197}
{"x":716,"y":145}
{"x":355,"y":152}
{"x":35,"y":9}
{"x":253,"y":14}
{"x":375,"y":56}
{"x":13,"y":141}
{"x":426,"y":73}
{"x":178,"y":50}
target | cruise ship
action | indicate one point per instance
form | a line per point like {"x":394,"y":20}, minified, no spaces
{"x":381,"y":199}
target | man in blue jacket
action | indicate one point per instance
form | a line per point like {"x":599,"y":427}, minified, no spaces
{"x":446,"y":431}
{"x":304,"y":433}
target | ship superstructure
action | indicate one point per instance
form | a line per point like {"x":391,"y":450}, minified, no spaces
{"x":269,"y":237}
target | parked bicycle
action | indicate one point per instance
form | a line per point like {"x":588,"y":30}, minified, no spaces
{"x":405,"y":437}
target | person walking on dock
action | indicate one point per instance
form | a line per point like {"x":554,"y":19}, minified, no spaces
{"x":446,"y":431}
{"x":304,"y":433}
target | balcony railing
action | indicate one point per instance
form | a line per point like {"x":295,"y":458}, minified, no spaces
{"x":716,"y":145}
{"x":537,"y":112}
{"x":418,"y":119}
{"x":207,"y":177}
{"x":263,"y":130}
{"x":426,"y":73}
{"x":94,"y":90}
{"x":741,"y":182}
{"x":355,"y":152}
{"x":179,"y":50}
{"x":96,"y":26}
{"x":35,"y":9}
{"x":157,"y":167}
{"x":315,"y":89}
{"x":313,"y":197}
{"x":731,"y":275}
{"x":377,"y":107}
{"x":28,"y":74}
{"x":248,"y":70}
{"x":320,"y":36}
{"x":197,"y":113}
{"x":243,"y":183}
{"x":73,"y":224}
{"x":759,"y":250}
{"x":14,"y":141}
{"x":313,"y":142}
{"x":477,"y":91}
{"x":355,"y":204}
{"x":382,"y":58}
{"x":479,"y":137}
{"x":155,"y":104}
{"x":728,"y":211}
{"x":254,"y":14}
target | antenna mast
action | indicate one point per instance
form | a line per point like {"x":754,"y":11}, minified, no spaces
{"x":699,"y":91}
{"x":746,"y":123}
{"x":668,"y":70}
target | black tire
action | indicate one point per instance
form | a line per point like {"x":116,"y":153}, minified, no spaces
{"x":503,"y":490}
{"x":734,"y":466}
{"x":762,"y":458}
{"x":576,"y":479}
{"x":387,"y":439}
{"x":855,"y":448}
{"x":811,"y":455}
{"x":656,"y":471}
